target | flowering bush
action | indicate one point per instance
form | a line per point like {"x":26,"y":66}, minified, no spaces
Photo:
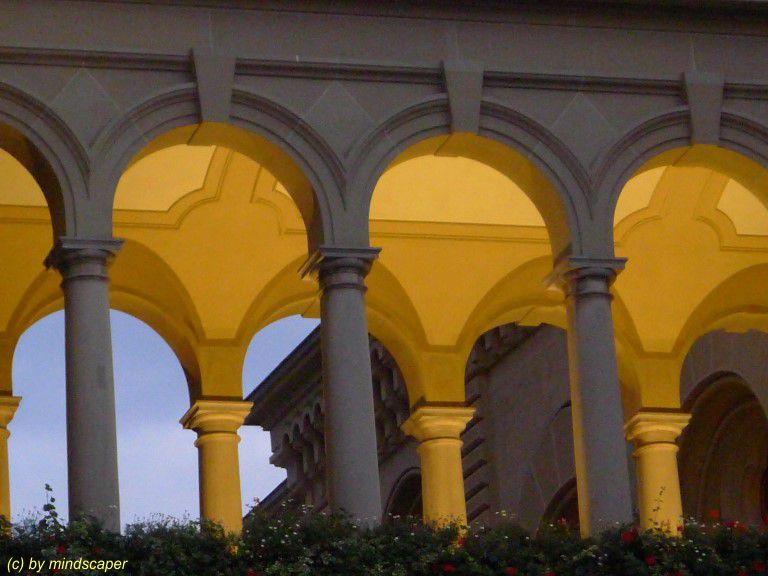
{"x":300,"y":543}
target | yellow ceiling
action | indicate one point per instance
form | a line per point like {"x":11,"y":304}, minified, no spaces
{"x":744,"y":209}
{"x":637,"y":194}
{"x":451,"y":190}
{"x":158,"y":180}
{"x":425,"y":189}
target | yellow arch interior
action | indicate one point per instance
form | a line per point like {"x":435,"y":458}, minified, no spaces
{"x":214,"y":241}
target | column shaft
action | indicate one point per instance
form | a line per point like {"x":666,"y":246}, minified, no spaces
{"x":216,"y":423}
{"x":602,"y":473}
{"x":658,"y":481}
{"x":8,"y":405}
{"x":438,"y":429}
{"x":91,"y":427}
{"x":350,"y":428}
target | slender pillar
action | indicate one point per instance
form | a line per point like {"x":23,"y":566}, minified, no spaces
{"x":658,"y":483}
{"x":8,"y":405}
{"x":602,"y":474}
{"x":350,"y":428}
{"x":438,"y":430}
{"x":91,"y":432}
{"x":216,"y":423}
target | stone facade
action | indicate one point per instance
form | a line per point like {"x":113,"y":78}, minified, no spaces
{"x":518,"y":449}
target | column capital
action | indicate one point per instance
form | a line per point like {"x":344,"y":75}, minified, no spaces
{"x":94,"y":253}
{"x":656,"y":427}
{"x":584,"y":274}
{"x":431,"y":422}
{"x":8,"y":406}
{"x":213,"y":416}
{"x":327,"y":258}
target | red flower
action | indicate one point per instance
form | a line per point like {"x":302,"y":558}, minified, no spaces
{"x":714,"y":514}
{"x":628,"y":536}
{"x":510,"y":571}
{"x":549,"y":573}
{"x":448,"y":568}
{"x":650,"y":560}
{"x":61,"y":549}
{"x":251,"y":572}
{"x":460,"y":542}
{"x":758,"y":566}
{"x":742,"y":573}
{"x":730,"y":523}
{"x":680,"y":528}
{"x":97,"y":551}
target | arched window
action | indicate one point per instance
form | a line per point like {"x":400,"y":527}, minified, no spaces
{"x":405,"y":499}
{"x":564,"y":506}
{"x":724,"y":453}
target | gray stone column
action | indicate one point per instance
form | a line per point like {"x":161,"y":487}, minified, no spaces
{"x":350,"y":429}
{"x":91,"y":433}
{"x":602,"y":474}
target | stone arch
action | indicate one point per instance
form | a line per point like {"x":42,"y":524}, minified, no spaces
{"x":658,"y":140}
{"x":147,"y":313}
{"x":550,"y":469}
{"x":564,"y":506}
{"x":742,"y":355}
{"x":724,"y":451}
{"x":518,"y":297}
{"x":405,"y":497}
{"x":257,"y":127}
{"x":285,"y":295}
{"x":737,"y":304}
{"x":512,"y":141}
{"x":42,"y":142}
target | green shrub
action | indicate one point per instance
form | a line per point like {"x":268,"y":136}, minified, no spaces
{"x":300,"y":543}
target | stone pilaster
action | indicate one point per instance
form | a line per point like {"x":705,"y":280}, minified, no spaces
{"x":655,"y":433}
{"x":438,"y":430}
{"x":216,"y":423}
{"x":602,"y":473}
{"x":352,"y":467}
{"x":91,"y":428}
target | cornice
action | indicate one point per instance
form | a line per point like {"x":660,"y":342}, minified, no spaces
{"x":362,"y":70}
{"x":582,"y":83}
{"x":652,"y":14}
{"x":372,"y":71}
{"x":68,"y":57}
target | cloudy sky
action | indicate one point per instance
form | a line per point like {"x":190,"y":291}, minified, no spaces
{"x":157,"y":458}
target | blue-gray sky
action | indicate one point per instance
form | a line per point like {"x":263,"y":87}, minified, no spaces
{"x":157,"y":458}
